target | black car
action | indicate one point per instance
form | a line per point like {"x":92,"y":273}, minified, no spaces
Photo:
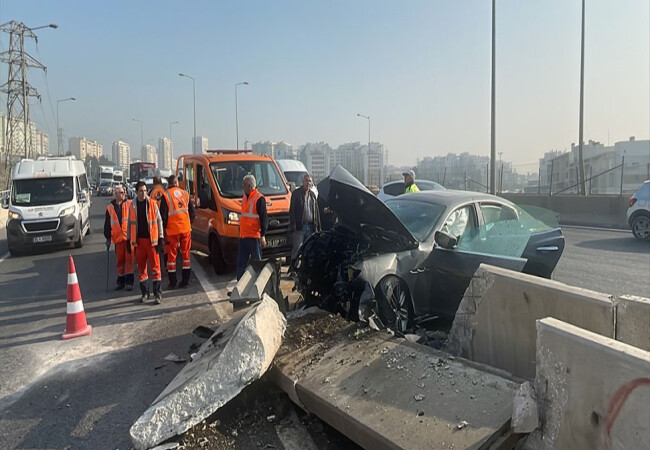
{"x":412,"y":258}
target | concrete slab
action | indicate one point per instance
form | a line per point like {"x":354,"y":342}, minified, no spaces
{"x":594,"y":392}
{"x":238,"y":353}
{"x":495,"y":322}
{"x":385,"y":392}
{"x":633,"y":321}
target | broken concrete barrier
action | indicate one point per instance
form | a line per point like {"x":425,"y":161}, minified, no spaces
{"x":495,"y":322}
{"x":593,"y":391}
{"x":260,"y":277}
{"x":633,"y":321}
{"x":237,"y":354}
{"x":525,"y":417}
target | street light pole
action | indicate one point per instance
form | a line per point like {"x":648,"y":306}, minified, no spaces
{"x":236,"y":112}
{"x":194,"y":99}
{"x":59,"y":135}
{"x":141,"y":137}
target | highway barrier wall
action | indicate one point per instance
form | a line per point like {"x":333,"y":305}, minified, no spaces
{"x":633,"y":321}
{"x":607,"y":211}
{"x":495,"y":322}
{"x":592,"y":392}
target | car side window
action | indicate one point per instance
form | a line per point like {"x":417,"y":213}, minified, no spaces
{"x":203,"y":184}
{"x":394,"y":189}
{"x":189,"y":178}
{"x":461,"y":224}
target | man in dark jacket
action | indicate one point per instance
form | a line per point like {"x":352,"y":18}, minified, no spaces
{"x":304,"y":218}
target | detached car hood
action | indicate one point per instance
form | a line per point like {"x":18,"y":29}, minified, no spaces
{"x":359,"y":209}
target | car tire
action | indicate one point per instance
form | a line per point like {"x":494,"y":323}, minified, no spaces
{"x":218,"y":263}
{"x":641,"y":227}
{"x":80,"y":240}
{"x":394,"y":306}
{"x":89,"y":227}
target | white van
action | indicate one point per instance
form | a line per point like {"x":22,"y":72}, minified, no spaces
{"x":294,"y":171}
{"x":48,"y":203}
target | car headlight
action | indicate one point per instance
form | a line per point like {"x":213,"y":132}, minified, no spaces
{"x":69,"y":210}
{"x":231,"y":217}
{"x":15,"y":215}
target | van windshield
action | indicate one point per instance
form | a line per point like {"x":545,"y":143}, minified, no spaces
{"x":295,"y":177}
{"x":42,"y":191}
{"x":229,"y":177}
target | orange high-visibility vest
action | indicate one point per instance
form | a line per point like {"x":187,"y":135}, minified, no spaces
{"x":157,"y":193}
{"x":152,"y":220}
{"x":178,"y":219}
{"x":118,"y":229}
{"x":249,"y":222}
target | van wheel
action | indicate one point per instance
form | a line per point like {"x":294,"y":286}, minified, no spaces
{"x":13,"y":251}
{"x":80,"y":240}
{"x":89,"y":227}
{"x":218,"y":263}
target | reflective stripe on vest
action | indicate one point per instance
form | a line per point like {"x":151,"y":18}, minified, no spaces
{"x":152,"y":221}
{"x":118,"y":230}
{"x":178,"y":219}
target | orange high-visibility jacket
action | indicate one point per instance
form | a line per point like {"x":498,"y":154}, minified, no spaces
{"x":153,"y":219}
{"x":157,"y":193}
{"x":118,"y":229}
{"x":178,"y":221}
{"x":249,"y":222}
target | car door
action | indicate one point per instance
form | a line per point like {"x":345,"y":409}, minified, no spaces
{"x":206,"y":206}
{"x":449,"y":271}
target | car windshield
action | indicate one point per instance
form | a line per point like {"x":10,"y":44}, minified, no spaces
{"x":42,"y":191}
{"x":229,"y":177}
{"x":418,"y":217}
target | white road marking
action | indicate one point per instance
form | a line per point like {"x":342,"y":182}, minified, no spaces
{"x":217,"y":292}
{"x":5,"y":256}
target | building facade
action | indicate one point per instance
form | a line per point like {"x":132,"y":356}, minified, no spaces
{"x":122,"y":155}
{"x":81,"y":147}
{"x":201,"y":145}
{"x":150,"y":154}
{"x":316,"y":158}
{"x":165,"y":152}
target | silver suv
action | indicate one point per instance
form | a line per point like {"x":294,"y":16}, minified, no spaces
{"x":638,"y":214}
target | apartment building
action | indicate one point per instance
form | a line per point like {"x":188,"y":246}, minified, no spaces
{"x":165,"y":152}
{"x":81,"y":147}
{"x":122,"y":155}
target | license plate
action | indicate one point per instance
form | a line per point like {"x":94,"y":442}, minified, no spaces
{"x":276,"y":242}
{"x":36,"y":240}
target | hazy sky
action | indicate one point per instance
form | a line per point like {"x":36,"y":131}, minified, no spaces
{"x":419,"y":68}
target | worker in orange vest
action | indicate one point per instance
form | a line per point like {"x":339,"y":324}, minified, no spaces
{"x":115,"y":225}
{"x":177,"y":213}
{"x":144,"y":233}
{"x":253,"y":223}
{"x":157,"y":192}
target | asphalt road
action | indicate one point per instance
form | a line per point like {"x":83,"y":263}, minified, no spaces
{"x":86,"y":392}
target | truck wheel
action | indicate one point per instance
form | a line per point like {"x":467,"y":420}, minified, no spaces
{"x":80,"y":240}
{"x":218,"y":263}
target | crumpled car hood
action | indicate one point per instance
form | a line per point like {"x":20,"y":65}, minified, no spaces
{"x":358,"y":208}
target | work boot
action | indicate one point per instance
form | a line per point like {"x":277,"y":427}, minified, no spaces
{"x":172,"y":280}
{"x":186,"y":278}
{"x":144,"y":291}
{"x":156,"y":291}
{"x":119,"y":284}
{"x":128,"y":279}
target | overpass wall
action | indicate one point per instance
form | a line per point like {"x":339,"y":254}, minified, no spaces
{"x":592,"y":210}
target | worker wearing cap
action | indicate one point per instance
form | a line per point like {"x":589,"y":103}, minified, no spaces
{"x":409,"y":182}
{"x":115,"y":225}
{"x":177,"y":213}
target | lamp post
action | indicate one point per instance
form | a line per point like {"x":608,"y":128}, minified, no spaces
{"x":194,"y":99}
{"x":141,"y":137}
{"x":236,"y":112}
{"x":59,"y":135}
{"x":367,"y":118}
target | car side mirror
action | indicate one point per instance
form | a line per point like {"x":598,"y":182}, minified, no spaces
{"x":180,"y":177}
{"x":445,"y":240}
{"x":82,"y":197}
{"x":5,"y":201}
{"x":203,"y":199}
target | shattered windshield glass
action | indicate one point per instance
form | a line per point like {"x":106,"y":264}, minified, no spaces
{"x":418,"y":217}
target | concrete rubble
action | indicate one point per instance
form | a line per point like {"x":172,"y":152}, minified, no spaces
{"x":237,"y":354}
{"x":525,"y":417}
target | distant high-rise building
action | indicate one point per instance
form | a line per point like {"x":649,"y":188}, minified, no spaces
{"x":150,"y":154}
{"x":316,"y":157}
{"x":81,"y":147}
{"x":201,"y":145}
{"x":284,"y":150}
{"x":164,"y":153}
{"x":264,"y":148}
{"x":122,"y":155}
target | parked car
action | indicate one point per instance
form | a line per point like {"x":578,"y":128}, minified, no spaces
{"x":411,"y":258}
{"x":638,"y":214}
{"x":395,"y":188}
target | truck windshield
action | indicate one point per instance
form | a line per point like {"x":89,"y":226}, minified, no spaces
{"x":42,"y":191}
{"x":229,"y":177}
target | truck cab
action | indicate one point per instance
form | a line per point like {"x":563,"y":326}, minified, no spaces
{"x":48,"y":203}
{"x":215,"y":184}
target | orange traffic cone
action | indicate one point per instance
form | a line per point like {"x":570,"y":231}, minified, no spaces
{"x":76,"y":325}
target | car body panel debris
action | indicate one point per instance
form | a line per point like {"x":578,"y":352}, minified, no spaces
{"x":383,"y":392}
{"x":412,"y":257}
{"x":237,"y":354}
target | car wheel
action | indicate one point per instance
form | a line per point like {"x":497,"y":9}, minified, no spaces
{"x":641,"y":227}
{"x":218,"y":263}
{"x":394,"y":306}
{"x":80,"y":240}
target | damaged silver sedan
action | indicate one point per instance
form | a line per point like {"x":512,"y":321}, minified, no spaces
{"x":401,"y":263}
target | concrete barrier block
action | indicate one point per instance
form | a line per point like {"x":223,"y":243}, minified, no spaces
{"x":633,"y":321}
{"x":594,"y":392}
{"x":495,"y":322}
{"x":236,"y":355}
